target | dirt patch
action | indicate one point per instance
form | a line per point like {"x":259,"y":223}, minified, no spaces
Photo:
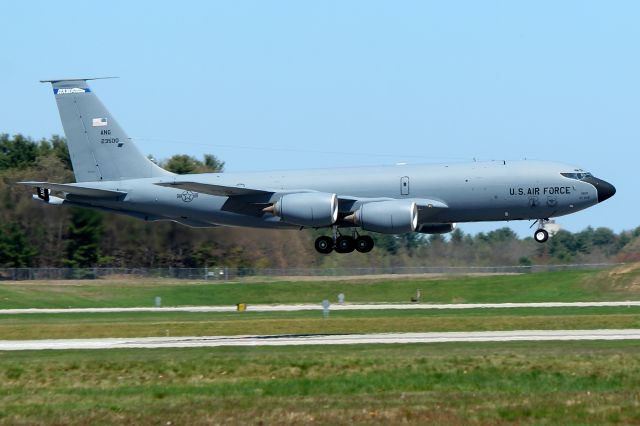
{"x":625,"y":269}
{"x":623,"y":278}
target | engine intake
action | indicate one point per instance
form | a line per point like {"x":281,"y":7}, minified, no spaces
{"x":311,"y":209}
{"x":387,"y":217}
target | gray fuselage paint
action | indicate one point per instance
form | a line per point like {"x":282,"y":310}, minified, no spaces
{"x":479,"y":191}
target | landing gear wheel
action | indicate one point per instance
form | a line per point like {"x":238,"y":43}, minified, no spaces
{"x":345,"y":244}
{"x":364,"y":244}
{"x":541,"y":235}
{"x":324,"y":244}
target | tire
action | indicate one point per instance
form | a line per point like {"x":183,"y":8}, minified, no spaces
{"x":324,"y":245}
{"x":345,"y":244}
{"x":364,"y":244}
{"x":541,"y":236}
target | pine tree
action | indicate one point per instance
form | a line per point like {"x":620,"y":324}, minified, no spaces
{"x":83,"y":235}
{"x":15,"y":250}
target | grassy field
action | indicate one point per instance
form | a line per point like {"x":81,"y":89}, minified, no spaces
{"x":453,"y":383}
{"x":487,"y":383}
{"x":568,"y":286}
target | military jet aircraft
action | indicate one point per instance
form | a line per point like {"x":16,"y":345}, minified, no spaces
{"x":113,"y":175}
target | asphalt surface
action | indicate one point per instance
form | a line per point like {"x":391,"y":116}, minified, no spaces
{"x":320,"y":339}
{"x":318,"y":306}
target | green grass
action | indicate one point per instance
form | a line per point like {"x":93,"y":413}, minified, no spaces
{"x":59,"y":326}
{"x":485,"y":383}
{"x":542,"y":287}
{"x":594,"y":382}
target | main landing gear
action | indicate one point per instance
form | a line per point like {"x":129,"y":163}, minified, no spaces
{"x":541,"y":235}
{"x":344,"y":243}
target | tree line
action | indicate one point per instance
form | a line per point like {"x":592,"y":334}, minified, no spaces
{"x":37,"y":235}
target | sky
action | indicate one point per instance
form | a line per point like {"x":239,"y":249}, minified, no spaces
{"x":298,"y":85}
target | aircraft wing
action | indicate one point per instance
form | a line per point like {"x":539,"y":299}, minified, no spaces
{"x":75,"y":189}
{"x":212,"y":189}
{"x":236,"y":194}
{"x":353,"y":203}
{"x":242,"y":200}
{"x":247,"y":200}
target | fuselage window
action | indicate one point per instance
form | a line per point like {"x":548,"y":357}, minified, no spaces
{"x":577,"y":175}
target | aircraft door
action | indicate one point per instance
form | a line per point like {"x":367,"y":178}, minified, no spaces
{"x":404,"y":185}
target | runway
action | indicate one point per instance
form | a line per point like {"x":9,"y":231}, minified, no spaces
{"x":318,"y":306}
{"x":320,"y":339}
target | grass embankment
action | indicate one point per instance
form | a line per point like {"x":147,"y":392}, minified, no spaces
{"x":567,"y":286}
{"x":485,"y":383}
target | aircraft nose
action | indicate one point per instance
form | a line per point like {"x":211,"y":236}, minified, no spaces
{"x":604,"y":188}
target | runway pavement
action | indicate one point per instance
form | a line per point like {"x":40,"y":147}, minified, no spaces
{"x":333,"y":307}
{"x":320,"y":339}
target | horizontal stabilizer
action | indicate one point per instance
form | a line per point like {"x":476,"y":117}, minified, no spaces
{"x":75,"y":189}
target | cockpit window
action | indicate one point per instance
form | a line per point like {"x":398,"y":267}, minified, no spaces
{"x":578,"y":175}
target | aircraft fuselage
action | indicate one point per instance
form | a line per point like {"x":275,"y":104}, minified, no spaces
{"x":478,"y":191}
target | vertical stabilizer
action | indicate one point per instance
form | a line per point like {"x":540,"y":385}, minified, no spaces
{"x":100,"y":150}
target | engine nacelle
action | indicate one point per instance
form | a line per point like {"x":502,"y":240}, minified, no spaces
{"x":311,"y":209}
{"x":436,"y":228}
{"x":387,"y":217}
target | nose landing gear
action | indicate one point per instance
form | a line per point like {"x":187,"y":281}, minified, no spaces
{"x":541,"y":235}
{"x":344,"y":243}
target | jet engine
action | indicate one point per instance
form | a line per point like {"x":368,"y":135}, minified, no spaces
{"x":436,"y":228}
{"x":311,"y":209}
{"x":387,"y":217}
